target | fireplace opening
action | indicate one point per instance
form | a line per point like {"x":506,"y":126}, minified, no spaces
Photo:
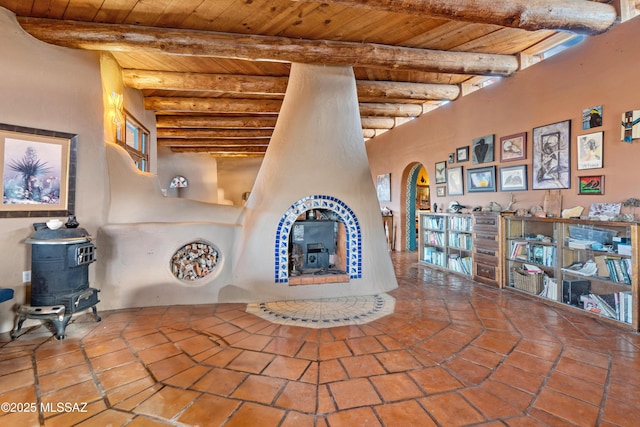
{"x":317,"y":249}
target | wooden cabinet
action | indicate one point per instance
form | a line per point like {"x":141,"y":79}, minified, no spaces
{"x":486,"y":248}
{"x":584,"y":265}
{"x":445,"y":241}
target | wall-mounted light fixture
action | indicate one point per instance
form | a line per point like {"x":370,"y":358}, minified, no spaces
{"x":179,"y":182}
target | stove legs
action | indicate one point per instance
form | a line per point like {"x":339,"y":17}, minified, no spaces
{"x":55,"y":314}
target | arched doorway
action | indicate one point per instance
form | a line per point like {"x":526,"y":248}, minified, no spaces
{"x":416,"y":197}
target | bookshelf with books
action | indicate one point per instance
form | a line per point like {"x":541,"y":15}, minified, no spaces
{"x":587,"y":265}
{"x":601,"y":258}
{"x":446,"y":241}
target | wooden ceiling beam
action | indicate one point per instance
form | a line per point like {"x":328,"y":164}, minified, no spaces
{"x":212,"y":105}
{"x":213,"y":142}
{"x":213,"y":133}
{"x":579,"y":16}
{"x":215,"y":122}
{"x":228,"y":83}
{"x":224,"y":151}
{"x":258,"y":106}
{"x":134,"y":38}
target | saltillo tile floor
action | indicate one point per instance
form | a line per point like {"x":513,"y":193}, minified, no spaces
{"x":452,"y":353}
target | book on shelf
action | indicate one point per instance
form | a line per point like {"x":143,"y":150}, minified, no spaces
{"x":542,"y":254}
{"x":550,"y":289}
{"x":587,"y":268}
{"x":617,"y":305}
{"x":617,"y":269}
{"x":519,"y":250}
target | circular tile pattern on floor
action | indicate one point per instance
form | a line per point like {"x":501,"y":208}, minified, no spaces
{"x":325,"y":313}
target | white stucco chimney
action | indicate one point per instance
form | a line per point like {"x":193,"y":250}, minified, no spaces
{"x":316,"y":157}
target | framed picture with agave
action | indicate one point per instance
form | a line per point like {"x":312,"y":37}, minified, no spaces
{"x":38,"y":172}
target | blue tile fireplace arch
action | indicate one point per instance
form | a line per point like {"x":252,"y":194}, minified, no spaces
{"x":347,"y":217}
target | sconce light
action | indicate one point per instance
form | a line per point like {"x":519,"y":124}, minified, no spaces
{"x":116,"y":102}
{"x":179,"y":182}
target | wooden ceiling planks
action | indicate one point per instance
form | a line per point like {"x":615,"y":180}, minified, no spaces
{"x":383,"y":27}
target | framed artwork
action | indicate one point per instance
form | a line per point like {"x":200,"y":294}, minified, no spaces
{"x":441,"y":172}
{"x":513,"y":147}
{"x":441,"y":191}
{"x":592,"y":117}
{"x":551,"y":156}
{"x":462,"y":154}
{"x":481,"y":179}
{"x":422,"y":197}
{"x":593,"y":184}
{"x":383,"y":187}
{"x":455,"y":184}
{"x":630,"y":126}
{"x":590,"y":150}
{"x":38,"y":172}
{"x":513,"y":178}
{"x":452,"y":157}
{"x":482,"y":149}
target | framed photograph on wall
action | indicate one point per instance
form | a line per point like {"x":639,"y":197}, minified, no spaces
{"x":482,"y":149}
{"x":593,"y":184}
{"x":513,"y":178}
{"x":441,"y":191}
{"x":462,"y":154}
{"x":513,"y":147}
{"x":383,"y":187}
{"x":592,"y":117}
{"x":455,"y":182}
{"x":551,"y":156}
{"x":481,"y":179}
{"x":441,"y":172}
{"x":590,"y":150}
{"x":38,"y":172}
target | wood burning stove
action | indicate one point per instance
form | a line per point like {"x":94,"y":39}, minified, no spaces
{"x":59,"y":277}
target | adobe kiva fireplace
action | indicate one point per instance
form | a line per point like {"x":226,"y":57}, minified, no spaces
{"x":315,"y":176}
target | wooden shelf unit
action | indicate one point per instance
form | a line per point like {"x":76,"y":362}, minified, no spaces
{"x":445,"y":241}
{"x":487,"y":239}
{"x":557,"y":247}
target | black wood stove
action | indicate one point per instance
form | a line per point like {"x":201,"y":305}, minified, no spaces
{"x":59,"y":277}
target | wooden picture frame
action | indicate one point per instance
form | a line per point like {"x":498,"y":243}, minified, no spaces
{"x":462,"y":154}
{"x":441,"y":172}
{"x":441,"y":191}
{"x":513,"y":147}
{"x":455,"y":181}
{"x":590,"y":150}
{"x":482,"y":149}
{"x":480,"y":180}
{"x":551,"y":156}
{"x":513,"y":178}
{"x":591,"y":184}
{"x":38,"y":172}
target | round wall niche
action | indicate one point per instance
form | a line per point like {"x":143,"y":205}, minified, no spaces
{"x":194,"y":261}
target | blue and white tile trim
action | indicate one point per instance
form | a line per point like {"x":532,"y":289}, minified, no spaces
{"x":347,"y":217}
{"x":325,"y":313}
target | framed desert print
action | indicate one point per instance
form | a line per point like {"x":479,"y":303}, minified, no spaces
{"x":551,"y":156}
{"x":441,"y":172}
{"x":462,"y":154}
{"x":481,"y":179}
{"x":513,"y":178}
{"x":383,"y":187}
{"x":513,"y":147}
{"x":482,"y":149}
{"x":593,"y":184}
{"x":455,"y":182}
{"x":38,"y":172}
{"x":590,"y":150}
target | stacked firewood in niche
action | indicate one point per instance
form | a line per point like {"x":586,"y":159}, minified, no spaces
{"x":194,"y":261}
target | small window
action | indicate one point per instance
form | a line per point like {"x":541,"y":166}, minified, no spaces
{"x":134,"y":139}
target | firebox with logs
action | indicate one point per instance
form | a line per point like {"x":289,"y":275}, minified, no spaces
{"x":60,"y":261}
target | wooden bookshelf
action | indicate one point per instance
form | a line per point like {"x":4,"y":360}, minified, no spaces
{"x":445,"y":241}
{"x":590,"y":266}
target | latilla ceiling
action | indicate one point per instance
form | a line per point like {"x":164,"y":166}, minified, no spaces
{"x":215,"y":71}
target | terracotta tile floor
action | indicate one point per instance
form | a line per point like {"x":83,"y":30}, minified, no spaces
{"x":454,"y":353}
